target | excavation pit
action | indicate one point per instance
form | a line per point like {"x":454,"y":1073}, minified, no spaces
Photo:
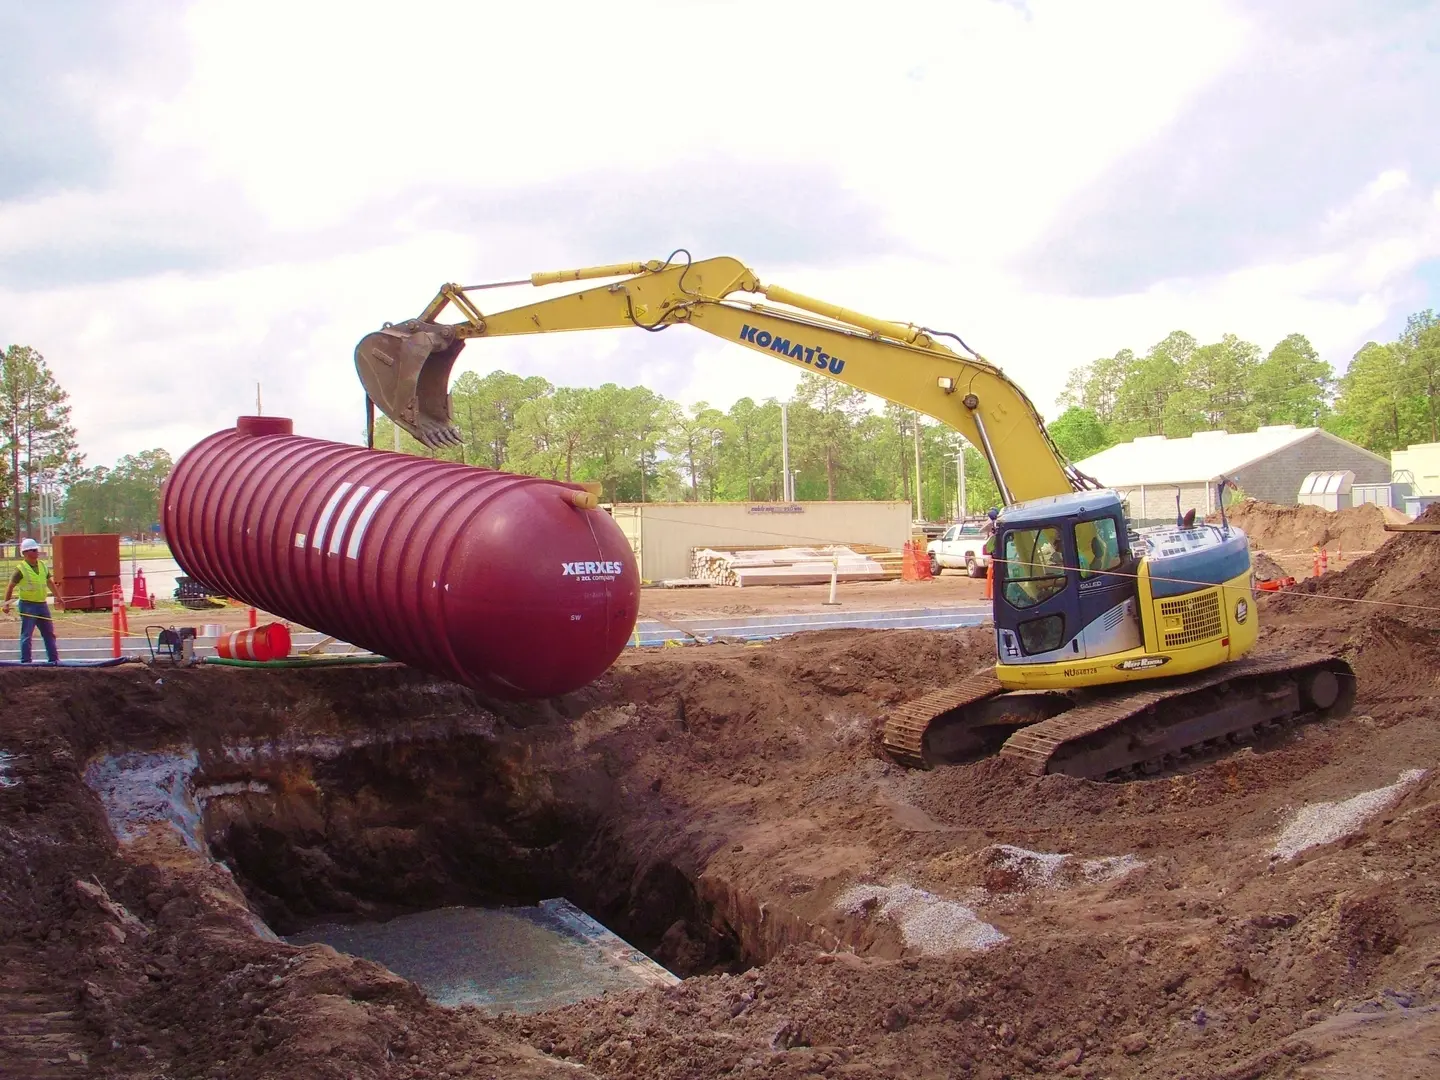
{"x":446,"y":827}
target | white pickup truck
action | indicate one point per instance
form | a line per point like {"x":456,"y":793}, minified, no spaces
{"x":960,"y":546}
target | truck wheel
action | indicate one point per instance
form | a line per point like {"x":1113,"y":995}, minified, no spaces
{"x":935,"y":567}
{"x":972,"y":568}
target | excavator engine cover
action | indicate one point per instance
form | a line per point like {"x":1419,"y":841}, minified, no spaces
{"x":405,"y":369}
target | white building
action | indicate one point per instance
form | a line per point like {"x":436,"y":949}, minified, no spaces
{"x":1269,"y":464}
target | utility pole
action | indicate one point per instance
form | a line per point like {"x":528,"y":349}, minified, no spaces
{"x":258,"y":410}
{"x":789,"y":494}
{"x":919,"y":499}
{"x":960,"y":472}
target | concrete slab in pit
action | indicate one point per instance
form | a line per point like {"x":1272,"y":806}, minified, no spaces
{"x":501,"y":960}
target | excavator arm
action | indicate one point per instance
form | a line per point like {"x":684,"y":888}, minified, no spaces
{"x":405,"y":367}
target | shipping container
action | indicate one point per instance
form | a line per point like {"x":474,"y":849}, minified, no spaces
{"x":86,"y":568}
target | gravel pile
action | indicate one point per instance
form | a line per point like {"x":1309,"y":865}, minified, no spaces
{"x":1038,"y":869}
{"x":1324,"y":823}
{"x":927,"y":922}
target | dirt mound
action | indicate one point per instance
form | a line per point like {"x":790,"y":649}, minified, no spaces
{"x":1300,"y":528}
{"x":1266,"y":568}
{"x":1405,"y":571}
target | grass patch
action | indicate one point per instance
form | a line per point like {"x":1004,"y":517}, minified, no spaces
{"x":145,"y":551}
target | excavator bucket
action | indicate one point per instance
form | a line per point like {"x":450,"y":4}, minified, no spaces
{"x":405,"y":368}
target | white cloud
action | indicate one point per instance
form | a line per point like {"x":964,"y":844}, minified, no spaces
{"x":283,"y":177}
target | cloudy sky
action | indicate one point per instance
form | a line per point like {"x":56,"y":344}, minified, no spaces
{"x":198,"y":196}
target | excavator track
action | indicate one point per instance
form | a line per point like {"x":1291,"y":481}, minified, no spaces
{"x":1110,"y":735}
{"x":1117,"y":732}
{"x":906,"y":726}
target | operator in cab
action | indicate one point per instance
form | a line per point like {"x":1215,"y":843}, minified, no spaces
{"x":33,"y":582}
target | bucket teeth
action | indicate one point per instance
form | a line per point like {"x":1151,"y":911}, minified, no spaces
{"x":406,"y":371}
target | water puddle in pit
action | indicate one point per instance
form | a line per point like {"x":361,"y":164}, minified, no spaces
{"x":510,"y":960}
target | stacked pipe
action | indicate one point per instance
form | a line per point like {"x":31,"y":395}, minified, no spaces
{"x":743,"y":567}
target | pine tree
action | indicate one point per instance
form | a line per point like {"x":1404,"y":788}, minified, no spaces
{"x":40,"y":439}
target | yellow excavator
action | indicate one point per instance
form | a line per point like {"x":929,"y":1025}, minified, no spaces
{"x":1120,"y":650}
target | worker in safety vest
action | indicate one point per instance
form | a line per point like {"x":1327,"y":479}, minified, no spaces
{"x":33,"y":581}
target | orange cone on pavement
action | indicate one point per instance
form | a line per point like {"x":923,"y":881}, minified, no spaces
{"x":140,"y":595}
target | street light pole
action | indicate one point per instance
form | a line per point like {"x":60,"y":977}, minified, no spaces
{"x":919,"y":498}
{"x":789,"y":495}
{"x":960,"y":472}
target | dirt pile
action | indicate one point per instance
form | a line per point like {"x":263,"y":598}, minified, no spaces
{"x":1381,"y":612}
{"x":1266,"y":568}
{"x":1405,"y":571}
{"x":1300,"y":528}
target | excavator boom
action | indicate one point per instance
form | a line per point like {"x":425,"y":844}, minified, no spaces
{"x":405,"y":368}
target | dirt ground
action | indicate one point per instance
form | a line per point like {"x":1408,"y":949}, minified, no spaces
{"x":729,"y":810}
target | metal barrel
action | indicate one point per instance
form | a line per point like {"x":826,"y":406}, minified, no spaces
{"x":510,"y":584}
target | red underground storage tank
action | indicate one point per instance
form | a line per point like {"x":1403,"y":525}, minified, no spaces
{"x":505,"y":583}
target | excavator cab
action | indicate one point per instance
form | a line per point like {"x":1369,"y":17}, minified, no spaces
{"x":1065,"y":582}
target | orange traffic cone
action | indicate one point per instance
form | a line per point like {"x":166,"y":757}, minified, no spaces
{"x":140,"y":597}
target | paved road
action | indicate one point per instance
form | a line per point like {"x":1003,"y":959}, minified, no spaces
{"x":648,"y":632}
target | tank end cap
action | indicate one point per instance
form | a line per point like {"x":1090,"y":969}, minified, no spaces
{"x":251,"y":426}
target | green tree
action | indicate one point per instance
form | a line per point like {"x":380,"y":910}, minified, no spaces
{"x":898,"y":449}
{"x":749,"y":463}
{"x":1096,"y":386}
{"x":39,"y":436}
{"x":828,"y":415}
{"x":1079,"y":433}
{"x":694,"y":438}
{"x":125,"y":499}
{"x":1419,"y":349}
{"x":139,"y":478}
{"x":91,"y":505}
{"x":981,"y":491}
{"x":1376,"y":407}
{"x":1292,"y":385}
{"x":652,"y":421}
{"x":549,"y":435}
{"x":1217,"y":380}
{"x":1143,"y":401}
{"x":485,"y":409}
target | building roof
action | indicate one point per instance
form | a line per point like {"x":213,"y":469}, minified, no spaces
{"x":1050,"y":507}
{"x":1203,"y":457}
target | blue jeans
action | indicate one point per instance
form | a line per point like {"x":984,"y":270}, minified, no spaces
{"x":35,"y":613}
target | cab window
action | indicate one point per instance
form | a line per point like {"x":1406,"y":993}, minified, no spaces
{"x":1097,"y":547}
{"x":1035,"y":566}
{"x":951,"y":533}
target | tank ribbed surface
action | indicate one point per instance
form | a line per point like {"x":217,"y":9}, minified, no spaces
{"x":488,"y":578}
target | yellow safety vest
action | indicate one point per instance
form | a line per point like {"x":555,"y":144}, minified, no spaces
{"x":32,"y":582}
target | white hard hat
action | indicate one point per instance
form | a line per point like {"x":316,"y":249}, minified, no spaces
{"x":28,"y":545}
